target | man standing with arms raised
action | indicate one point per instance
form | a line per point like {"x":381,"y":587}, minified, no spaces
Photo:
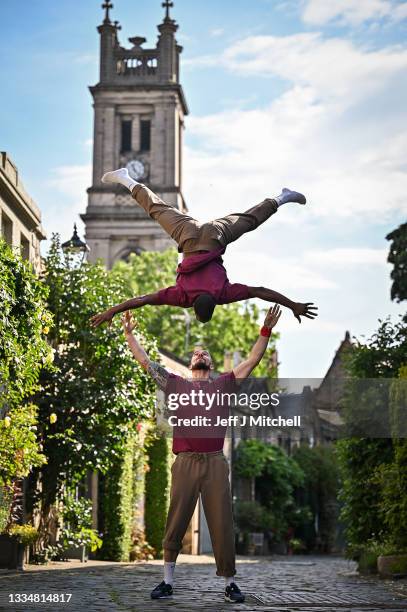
{"x":200,"y":466}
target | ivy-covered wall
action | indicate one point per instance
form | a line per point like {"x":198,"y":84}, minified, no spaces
{"x":157,"y":492}
{"x":116,"y":504}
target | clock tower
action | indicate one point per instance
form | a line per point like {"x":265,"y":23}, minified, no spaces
{"x":139,"y":110}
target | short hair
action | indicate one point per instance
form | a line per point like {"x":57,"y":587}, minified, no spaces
{"x":204,"y":305}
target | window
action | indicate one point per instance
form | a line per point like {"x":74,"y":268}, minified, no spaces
{"x":126,"y":136}
{"x":145,"y":134}
{"x":25,"y":247}
{"x":7,"y":229}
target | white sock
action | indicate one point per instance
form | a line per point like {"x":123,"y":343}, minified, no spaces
{"x":120,"y":176}
{"x":287,"y":195}
{"x":169,"y":567}
{"x":228,"y":581}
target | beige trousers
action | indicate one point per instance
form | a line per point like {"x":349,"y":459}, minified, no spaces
{"x":189,"y":234}
{"x":206,"y":474}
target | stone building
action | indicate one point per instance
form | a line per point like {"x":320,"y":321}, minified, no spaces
{"x":139,"y":110}
{"x":20,"y":217}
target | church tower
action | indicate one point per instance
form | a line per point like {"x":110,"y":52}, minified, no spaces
{"x":139,"y":109}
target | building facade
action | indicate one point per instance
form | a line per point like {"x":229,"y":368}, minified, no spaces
{"x":20,"y":217}
{"x":139,"y":110}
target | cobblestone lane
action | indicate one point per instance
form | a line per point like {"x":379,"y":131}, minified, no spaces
{"x":277,"y":584}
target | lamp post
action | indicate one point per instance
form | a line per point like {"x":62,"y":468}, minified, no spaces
{"x":75,"y":246}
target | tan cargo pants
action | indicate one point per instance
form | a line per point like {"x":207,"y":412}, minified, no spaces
{"x":206,"y":474}
{"x":189,"y":234}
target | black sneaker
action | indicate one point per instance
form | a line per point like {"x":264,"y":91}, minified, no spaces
{"x":162,"y":591}
{"x":233,"y":593}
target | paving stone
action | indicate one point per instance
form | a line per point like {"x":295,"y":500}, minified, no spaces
{"x":275,"y":584}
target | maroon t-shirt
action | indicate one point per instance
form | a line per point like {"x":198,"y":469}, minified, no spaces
{"x":200,"y":438}
{"x":202,"y":273}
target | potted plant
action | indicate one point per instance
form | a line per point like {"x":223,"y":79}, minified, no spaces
{"x":77,"y":537}
{"x":77,"y":544}
{"x":14,"y":546}
{"x":391,"y":560}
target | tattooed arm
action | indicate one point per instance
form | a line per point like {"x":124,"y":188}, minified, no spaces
{"x":159,"y":374}
{"x":156,"y":371}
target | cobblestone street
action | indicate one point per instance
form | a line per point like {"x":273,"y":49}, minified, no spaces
{"x":278,"y":583}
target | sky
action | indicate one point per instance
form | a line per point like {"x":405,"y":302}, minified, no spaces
{"x":309,"y":94}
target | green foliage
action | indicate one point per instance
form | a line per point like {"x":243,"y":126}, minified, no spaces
{"x":392,"y":478}
{"x":77,"y":512}
{"x":360,"y":493}
{"x":20,"y":450}
{"x":24,"y":323}
{"x":117,"y":502}
{"x":251,"y":458}
{"x":318,"y":493}
{"x":370,"y":477}
{"x":398,"y":257}
{"x":381,"y":355}
{"x":6,"y":498}
{"x":156,"y":492}
{"x":251,"y":516}
{"x":81,"y":537}
{"x":26,"y":534}
{"x":96,"y":390}
{"x":277,"y":476}
{"x":233,"y":327}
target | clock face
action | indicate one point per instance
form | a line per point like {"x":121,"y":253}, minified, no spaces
{"x":136,"y":169}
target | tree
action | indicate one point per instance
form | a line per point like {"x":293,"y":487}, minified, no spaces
{"x":96,"y":394}
{"x":274,"y":477}
{"x":318,"y":492}
{"x":360,"y":458}
{"x":398,"y":257}
{"x":233,"y":327}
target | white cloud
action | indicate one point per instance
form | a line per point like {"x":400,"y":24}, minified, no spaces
{"x":341,"y":257}
{"x":334,"y":68}
{"x":335,"y":133}
{"x":71,"y":181}
{"x":290,"y":274}
{"x":353,"y":12}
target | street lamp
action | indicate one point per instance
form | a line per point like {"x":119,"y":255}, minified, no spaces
{"x":75,"y":246}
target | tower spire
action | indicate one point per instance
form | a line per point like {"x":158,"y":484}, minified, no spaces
{"x":167,"y":5}
{"x":107,"y":5}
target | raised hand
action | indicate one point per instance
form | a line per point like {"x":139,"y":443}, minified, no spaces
{"x":272,"y":316}
{"x":128,"y":323}
{"x":304,"y":310}
{"x":103,"y":317}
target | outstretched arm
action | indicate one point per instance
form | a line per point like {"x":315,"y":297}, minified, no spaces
{"x":298,"y":308}
{"x":136,"y":302}
{"x":156,"y":371}
{"x":244,"y":369}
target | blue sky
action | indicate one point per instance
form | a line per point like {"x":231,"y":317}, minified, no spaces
{"x":307,"y":93}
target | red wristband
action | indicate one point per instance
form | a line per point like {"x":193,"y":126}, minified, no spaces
{"x":265,"y":331}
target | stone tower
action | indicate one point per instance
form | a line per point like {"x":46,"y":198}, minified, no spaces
{"x":139,"y":109}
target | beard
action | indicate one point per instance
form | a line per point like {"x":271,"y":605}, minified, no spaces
{"x":201,"y":365}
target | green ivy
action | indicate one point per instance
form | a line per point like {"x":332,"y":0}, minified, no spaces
{"x":156,"y":491}
{"x":117,"y":499}
{"x":24,"y":325}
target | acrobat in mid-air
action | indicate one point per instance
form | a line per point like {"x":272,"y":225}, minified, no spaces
{"x":201,"y":280}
